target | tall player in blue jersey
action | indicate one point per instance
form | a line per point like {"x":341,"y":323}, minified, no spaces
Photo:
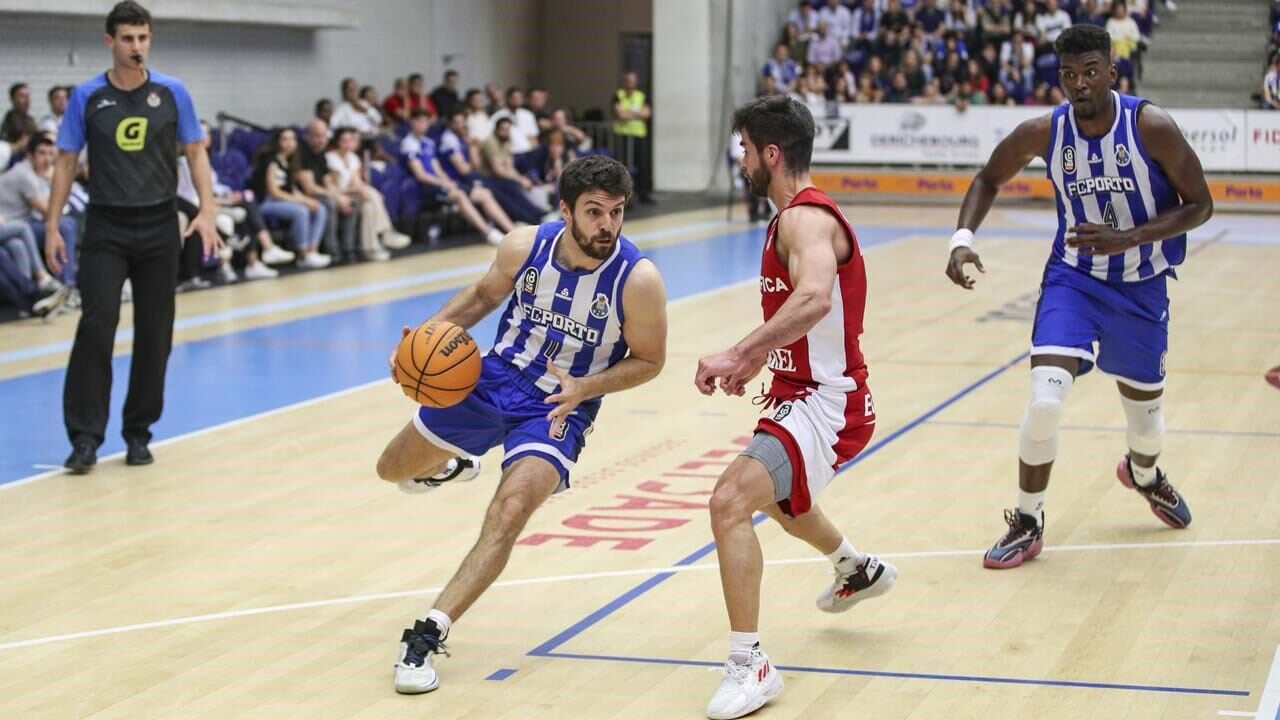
{"x":586,"y":316}
{"x":1128,"y":189}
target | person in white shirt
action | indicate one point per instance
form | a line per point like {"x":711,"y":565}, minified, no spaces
{"x":1124,"y":32}
{"x":57,"y":106}
{"x":479,"y":126}
{"x":1052,"y":22}
{"x":369,"y":96}
{"x":805,"y":18}
{"x":353,"y":112}
{"x":524,"y":125}
{"x":377,"y":234}
{"x":839,"y":20}
{"x":1271,"y":85}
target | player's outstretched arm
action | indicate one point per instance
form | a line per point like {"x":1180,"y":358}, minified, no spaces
{"x":1166,"y":145}
{"x":807,"y":233}
{"x":1024,"y":144}
{"x":474,"y":303}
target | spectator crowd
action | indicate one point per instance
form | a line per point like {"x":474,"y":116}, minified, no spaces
{"x":936,"y":52}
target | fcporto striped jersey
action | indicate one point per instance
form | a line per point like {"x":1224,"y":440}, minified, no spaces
{"x":1110,"y":180}
{"x":573,"y":319}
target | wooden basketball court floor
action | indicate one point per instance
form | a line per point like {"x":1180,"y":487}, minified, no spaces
{"x":260,"y":570}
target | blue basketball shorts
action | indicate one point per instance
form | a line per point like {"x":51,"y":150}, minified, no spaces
{"x":1127,"y":322}
{"x":507,"y":409}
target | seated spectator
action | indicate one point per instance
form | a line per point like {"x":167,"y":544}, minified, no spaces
{"x":768,"y":86}
{"x":978,"y":79}
{"x":419,"y":154}
{"x":839,"y":92}
{"x":914,"y":70}
{"x":880,"y":76}
{"x":932,"y":18}
{"x":538,"y":105}
{"x":805,"y":17}
{"x":314,"y":179}
{"x":418,"y":99}
{"x":369,"y":96}
{"x":843,"y":70}
{"x":866,"y":25}
{"x":377,"y":234}
{"x":445,"y":96}
{"x":797,"y":46}
{"x":1092,"y":12}
{"x":961,"y":20}
{"x":839,"y":20}
{"x":1271,"y":85}
{"x":516,"y":193}
{"x":395,"y":108}
{"x":479,"y":126}
{"x":1025,"y":18}
{"x":493,"y":94}
{"x":971,"y":95}
{"x":21,"y":292}
{"x":932,"y":95}
{"x":1018,"y":51}
{"x":782,"y":68}
{"x":18,"y":116}
{"x":574,"y":136}
{"x":352,"y":112}
{"x":324,"y":110}
{"x":894,"y":18}
{"x":1052,"y":22}
{"x":24,"y":198}
{"x":1056,"y":96}
{"x":953,"y":43}
{"x":58,"y":95}
{"x":996,"y":22}
{"x":1124,"y":32}
{"x":1000,"y":95}
{"x":898,"y":91}
{"x":524,"y":131}
{"x":273,"y":181}
{"x":825,"y":49}
{"x":554,"y":154}
{"x":814,"y":90}
{"x":867,"y":90}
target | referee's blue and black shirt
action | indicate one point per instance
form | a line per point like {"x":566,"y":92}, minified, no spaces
{"x":133,"y":138}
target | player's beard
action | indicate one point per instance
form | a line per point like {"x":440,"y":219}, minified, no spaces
{"x":593,"y":249}
{"x":759,"y":181}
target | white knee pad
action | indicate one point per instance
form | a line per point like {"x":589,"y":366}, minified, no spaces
{"x":1038,"y":443}
{"x":1146,"y":424}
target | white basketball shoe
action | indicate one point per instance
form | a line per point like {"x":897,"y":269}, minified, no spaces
{"x":746,"y":687}
{"x":461,"y":469}
{"x":415,"y":671}
{"x":872,"y":578}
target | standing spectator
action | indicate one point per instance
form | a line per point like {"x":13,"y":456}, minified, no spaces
{"x":525,"y":132}
{"x":445,"y":96}
{"x":324,"y":111}
{"x":352,"y":112}
{"x":419,"y":154}
{"x":131,"y":118}
{"x":273,"y":182}
{"x":839,"y":21}
{"x":396,"y":106}
{"x":479,"y":126}
{"x":418,"y":99}
{"x":493,"y":95}
{"x":1052,"y":22}
{"x":538,"y":105}
{"x":369,"y":96}
{"x":515,"y":192}
{"x":633,"y":114}
{"x":19,"y":116}
{"x":782,"y":68}
{"x":24,"y":194}
{"x":314,"y":179}
{"x":57,"y":108}
{"x":1271,"y":85}
{"x":377,"y":235}
{"x":825,"y":50}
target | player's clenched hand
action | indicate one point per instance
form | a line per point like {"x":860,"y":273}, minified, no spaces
{"x":955,"y":266}
{"x":730,"y":368}
{"x":391,"y":362}
{"x":571,"y":394}
{"x":1092,"y":239}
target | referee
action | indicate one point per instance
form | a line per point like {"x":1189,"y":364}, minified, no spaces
{"x":131,"y":119}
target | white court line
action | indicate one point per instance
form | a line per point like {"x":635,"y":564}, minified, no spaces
{"x":1237,"y":713}
{"x":1272,"y":684}
{"x":1269,"y":708}
{"x":333,"y":295}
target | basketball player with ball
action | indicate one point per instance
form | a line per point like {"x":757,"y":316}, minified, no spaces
{"x":585,"y":317}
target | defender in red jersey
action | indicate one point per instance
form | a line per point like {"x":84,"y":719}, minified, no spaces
{"x":813,"y":289}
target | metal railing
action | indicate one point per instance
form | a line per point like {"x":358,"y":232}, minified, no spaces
{"x":604,"y":137}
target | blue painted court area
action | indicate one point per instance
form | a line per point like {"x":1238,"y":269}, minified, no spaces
{"x":246,"y":373}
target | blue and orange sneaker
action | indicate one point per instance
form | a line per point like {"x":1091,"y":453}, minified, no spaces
{"x":1166,"y":502}
{"x":1023,"y":542}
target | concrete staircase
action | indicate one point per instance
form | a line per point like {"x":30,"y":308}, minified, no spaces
{"x":1210,"y":54}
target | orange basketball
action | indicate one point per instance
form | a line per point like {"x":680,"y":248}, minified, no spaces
{"x":438,"y":364}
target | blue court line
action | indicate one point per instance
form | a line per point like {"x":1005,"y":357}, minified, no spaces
{"x":920,"y":676}
{"x":546,"y":648}
{"x":502,"y":674}
{"x":1088,"y":428}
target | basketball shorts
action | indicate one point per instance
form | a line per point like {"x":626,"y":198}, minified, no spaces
{"x":507,"y":409}
{"x":1128,"y":323}
{"x":820,"y":431}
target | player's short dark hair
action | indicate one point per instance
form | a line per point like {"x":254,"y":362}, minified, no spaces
{"x":594,"y":173}
{"x":779,"y":120}
{"x":14,"y":88}
{"x":36,"y":141}
{"x":1080,"y":39}
{"x":127,"y":12}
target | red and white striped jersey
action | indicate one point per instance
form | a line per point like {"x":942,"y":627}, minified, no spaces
{"x":828,"y":357}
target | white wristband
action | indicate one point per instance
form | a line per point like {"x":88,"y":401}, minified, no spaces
{"x":962,"y":238}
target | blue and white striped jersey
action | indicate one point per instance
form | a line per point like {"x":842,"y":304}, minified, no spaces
{"x":1110,"y":180}
{"x":573,"y":319}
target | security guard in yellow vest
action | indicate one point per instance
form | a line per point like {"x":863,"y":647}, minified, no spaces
{"x":632,"y":111}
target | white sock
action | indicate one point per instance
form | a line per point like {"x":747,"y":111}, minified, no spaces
{"x":441,"y":620}
{"x":741,"y":644}
{"x":1143,"y":476}
{"x":1032,"y":504}
{"x":846,"y":558}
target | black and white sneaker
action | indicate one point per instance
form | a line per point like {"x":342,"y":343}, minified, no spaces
{"x":874,"y":577}
{"x":415,"y":671}
{"x":461,"y":469}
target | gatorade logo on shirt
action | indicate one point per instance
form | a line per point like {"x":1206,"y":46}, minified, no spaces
{"x":131,"y":134}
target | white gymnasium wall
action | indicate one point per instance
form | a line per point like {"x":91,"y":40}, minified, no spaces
{"x":275,"y":74}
